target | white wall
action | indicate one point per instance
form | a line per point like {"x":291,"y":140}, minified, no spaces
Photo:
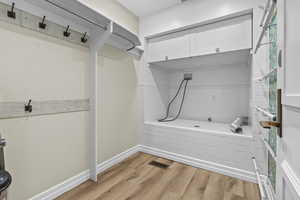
{"x":118,"y":110}
{"x":44,"y":151}
{"x":42,"y":68}
{"x":156,"y":94}
{"x":221,"y":93}
{"x":121,"y":118}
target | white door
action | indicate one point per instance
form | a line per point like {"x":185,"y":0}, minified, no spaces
{"x":228,"y":35}
{"x":289,"y":76}
{"x":169,"y":49}
{"x":289,"y":44}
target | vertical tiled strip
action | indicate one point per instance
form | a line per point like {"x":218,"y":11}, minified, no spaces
{"x":273,"y":99}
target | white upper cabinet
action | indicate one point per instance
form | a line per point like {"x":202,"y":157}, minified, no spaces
{"x":224,"y":36}
{"x":169,"y":49}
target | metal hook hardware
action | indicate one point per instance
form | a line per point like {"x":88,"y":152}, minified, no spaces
{"x":42,"y":24}
{"x":84,"y":39}
{"x":28,"y":107}
{"x":2,"y":142}
{"x":67,"y":33}
{"x":11,"y":13}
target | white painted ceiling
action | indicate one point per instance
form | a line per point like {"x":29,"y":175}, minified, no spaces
{"x":146,"y":7}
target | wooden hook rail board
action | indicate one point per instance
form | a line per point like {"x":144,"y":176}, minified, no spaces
{"x":32,"y":22}
{"x":16,"y":109}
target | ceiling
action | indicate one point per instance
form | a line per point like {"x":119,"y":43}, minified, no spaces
{"x":146,"y":7}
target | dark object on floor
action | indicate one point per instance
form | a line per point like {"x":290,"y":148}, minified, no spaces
{"x":11,"y":13}
{"x":5,"y":180}
{"x":159,"y":165}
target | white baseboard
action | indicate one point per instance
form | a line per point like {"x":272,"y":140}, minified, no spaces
{"x":74,"y":181}
{"x":211,"y":166}
{"x":63,"y":187}
{"x":117,"y":159}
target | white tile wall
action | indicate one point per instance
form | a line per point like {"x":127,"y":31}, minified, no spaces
{"x":220,"y":92}
{"x":155,"y":94}
{"x":218,"y":148}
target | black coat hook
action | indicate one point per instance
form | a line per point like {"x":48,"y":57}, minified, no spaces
{"x":84,"y":39}
{"x":67,"y":33}
{"x":42,"y":24}
{"x":28,"y":107}
{"x":11,"y":12}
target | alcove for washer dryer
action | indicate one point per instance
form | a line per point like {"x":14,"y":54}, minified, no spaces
{"x":216,"y":56}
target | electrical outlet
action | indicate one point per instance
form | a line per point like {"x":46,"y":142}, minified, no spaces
{"x":188,"y":76}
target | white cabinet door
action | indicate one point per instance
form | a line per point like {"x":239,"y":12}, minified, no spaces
{"x":223,"y":36}
{"x":289,"y":44}
{"x":169,"y":49}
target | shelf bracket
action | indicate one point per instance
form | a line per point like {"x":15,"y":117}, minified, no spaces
{"x":96,"y":42}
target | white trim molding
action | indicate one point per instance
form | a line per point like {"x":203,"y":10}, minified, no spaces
{"x":63,"y":187}
{"x":76,"y":180}
{"x":117,"y":159}
{"x":72,"y":182}
{"x":96,"y":42}
{"x":211,"y":166}
{"x":291,"y":179}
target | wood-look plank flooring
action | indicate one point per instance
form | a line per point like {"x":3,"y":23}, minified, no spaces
{"x":135,"y":179}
